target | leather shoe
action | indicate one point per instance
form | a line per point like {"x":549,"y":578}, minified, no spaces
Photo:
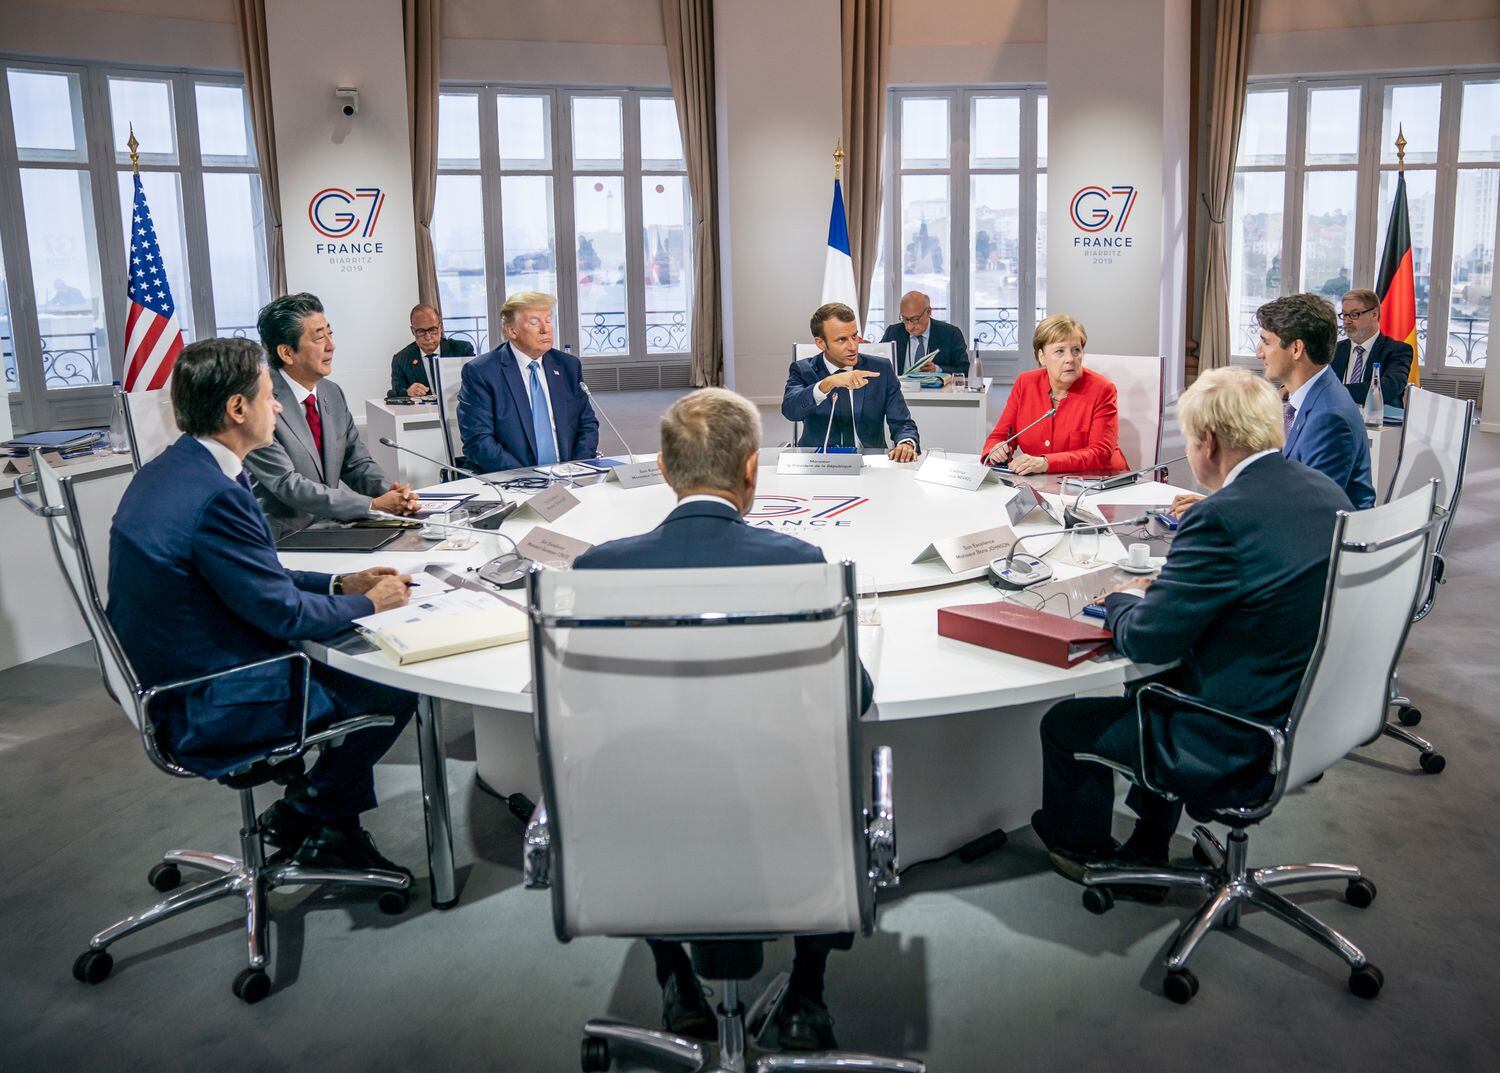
{"x":283,"y":826}
{"x":343,"y":847}
{"x":1072,"y":865}
{"x":804,"y":1024}
{"x":684,"y":1011}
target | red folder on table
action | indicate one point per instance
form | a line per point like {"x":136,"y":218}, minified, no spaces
{"x":1022,"y":631}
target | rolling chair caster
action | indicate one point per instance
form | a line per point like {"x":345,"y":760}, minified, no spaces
{"x":1432,"y":763}
{"x":593,"y":1055}
{"x":93,"y":966}
{"x":164,"y":877}
{"x":251,"y":985}
{"x":1366,"y":981}
{"x":1098,"y":900}
{"x":1360,"y":893}
{"x":1180,"y":986}
{"x":1408,"y":715}
{"x":393,"y":902}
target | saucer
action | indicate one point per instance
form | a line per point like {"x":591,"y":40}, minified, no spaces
{"x":1152,"y":567}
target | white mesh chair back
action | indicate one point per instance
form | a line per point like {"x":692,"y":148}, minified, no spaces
{"x":1434,"y":446}
{"x":876,"y":350}
{"x":447,"y":377}
{"x":1137,"y":379}
{"x":150,"y":424}
{"x":1374,"y":581}
{"x":700,"y":780}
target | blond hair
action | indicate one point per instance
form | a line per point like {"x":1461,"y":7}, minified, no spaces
{"x":1055,"y":329}
{"x":706,"y":437}
{"x":1364,"y":296}
{"x":524,"y":300}
{"x":1242,"y":410}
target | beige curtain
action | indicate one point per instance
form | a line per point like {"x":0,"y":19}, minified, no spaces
{"x":421,"y":23}
{"x":866,"y":50}
{"x":690,"y":56}
{"x":1231,"y":64}
{"x":251,"y":17}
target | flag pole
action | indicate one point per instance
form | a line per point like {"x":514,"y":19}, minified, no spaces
{"x":1400,"y":149}
{"x":838,"y":158}
{"x":135,"y":157}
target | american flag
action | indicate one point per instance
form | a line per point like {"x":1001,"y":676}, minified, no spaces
{"x":152,"y":335}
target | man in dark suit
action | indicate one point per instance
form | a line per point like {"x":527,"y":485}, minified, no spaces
{"x":1238,"y":603}
{"x":316,"y":466}
{"x":710,"y":447}
{"x":523,"y":403}
{"x":1368,"y":347}
{"x":923,"y":343}
{"x":195,"y":588}
{"x":823,"y":391}
{"x":409,"y":364}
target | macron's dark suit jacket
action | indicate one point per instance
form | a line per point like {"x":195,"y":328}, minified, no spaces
{"x":879,"y":402}
{"x":1328,"y":434}
{"x":1394,"y":359}
{"x":945,"y":345}
{"x":1240,"y":597}
{"x":408,"y":367}
{"x":195,"y":587}
{"x":494,"y":411}
{"x":705,"y":535}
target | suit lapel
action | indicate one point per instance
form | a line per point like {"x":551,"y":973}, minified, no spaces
{"x":295,"y":418}
{"x":510,"y":371}
{"x":330,"y":411}
{"x":1309,"y":402}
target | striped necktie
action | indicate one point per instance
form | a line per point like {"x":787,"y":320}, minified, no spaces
{"x":1288,"y":415}
{"x":1357,"y":374}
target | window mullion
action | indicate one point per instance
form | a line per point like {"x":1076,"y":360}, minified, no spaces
{"x":566,"y":242}
{"x":635,"y":230}
{"x":1291,"y":229}
{"x":108,"y":228}
{"x":194,"y":209}
{"x":1444,"y":211}
{"x":30,"y":394}
{"x":490,"y":197}
{"x":959,"y":238}
{"x":1367,"y":185}
{"x":1027,"y":206}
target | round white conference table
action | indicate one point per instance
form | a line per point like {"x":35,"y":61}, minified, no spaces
{"x":961,"y":719}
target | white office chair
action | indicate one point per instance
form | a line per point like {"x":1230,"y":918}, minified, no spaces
{"x":150,"y":424}
{"x":1434,"y":446}
{"x":1375,"y":574}
{"x":733,"y":723}
{"x":809,"y":350}
{"x":247,"y":876}
{"x":445,"y":371}
{"x":1137,"y":379}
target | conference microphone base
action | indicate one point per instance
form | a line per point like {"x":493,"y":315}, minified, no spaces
{"x":1020,"y":572}
{"x":492,"y":518}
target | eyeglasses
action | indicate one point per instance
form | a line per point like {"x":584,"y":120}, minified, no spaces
{"x":1357,"y":313}
{"x":428,"y":331}
{"x":919,"y":316}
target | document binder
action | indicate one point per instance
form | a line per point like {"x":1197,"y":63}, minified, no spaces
{"x":1022,"y":631}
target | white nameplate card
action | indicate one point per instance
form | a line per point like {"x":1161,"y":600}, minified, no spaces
{"x":952,"y":473}
{"x":970,"y":551}
{"x":637,"y":474}
{"x":551,"y":549}
{"x":1022,"y":503}
{"x":553,"y":503}
{"x":839,"y":464}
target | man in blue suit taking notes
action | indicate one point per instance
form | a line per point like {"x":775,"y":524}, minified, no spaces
{"x":710,"y":448}
{"x":825,"y":391}
{"x":523,"y":403}
{"x":195,"y":588}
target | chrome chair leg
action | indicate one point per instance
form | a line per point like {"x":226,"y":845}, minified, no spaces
{"x":1154,"y":877}
{"x":257,"y":940}
{"x":297,"y":875}
{"x":731,"y":1030}
{"x":1210,"y":847}
{"x":220,"y":863}
{"x":843,"y":1060}
{"x":1305,"y":922}
{"x":762,"y":1013}
{"x":1199,"y":925}
{"x":651,"y":1040}
{"x":1282,"y":874}
{"x":210,"y":890}
{"x":1401,"y":734}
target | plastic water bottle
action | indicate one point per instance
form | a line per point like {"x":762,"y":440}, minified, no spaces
{"x":976,"y":371}
{"x":567,"y":348}
{"x":1374,"y":401}
{"x":119,"y":439}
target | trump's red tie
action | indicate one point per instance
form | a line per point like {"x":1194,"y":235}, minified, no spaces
{"x":314,"y":422}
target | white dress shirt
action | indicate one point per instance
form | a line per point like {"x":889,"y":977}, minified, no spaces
{"x":819,"y":395}
{"x":299,"y":392}
{"x":525,"y":362}
{"x":1368,"y":345}
{"x":705,"y":497}
{"x":1296,"y":398}
{"x":911,"y":347}
{"x":229,"y":462}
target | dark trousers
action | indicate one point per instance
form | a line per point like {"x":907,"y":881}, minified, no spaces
{"x":1078,"y":796}
{"x":341,"y":784}
{"x":809,"y":959}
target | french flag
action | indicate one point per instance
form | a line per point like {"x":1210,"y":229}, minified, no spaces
{"x":838,"y":270}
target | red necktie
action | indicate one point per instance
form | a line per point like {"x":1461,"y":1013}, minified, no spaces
{"x":314,"y":422}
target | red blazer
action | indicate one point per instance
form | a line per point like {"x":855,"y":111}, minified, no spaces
{"x":1082,"y":437}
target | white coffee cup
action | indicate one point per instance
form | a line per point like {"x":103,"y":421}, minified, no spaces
{"x":1140,"y":556}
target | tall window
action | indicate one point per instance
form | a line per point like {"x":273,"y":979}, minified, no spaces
{"x":965,"y":213}
{"x":65,"y":167}
{"x":578,"y":193}
{"x":1315,"y":176}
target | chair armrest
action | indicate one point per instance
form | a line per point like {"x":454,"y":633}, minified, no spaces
{"x":18,"y":486}
{"x":1182,"y":700}
{"x":880,"y":822}
{"x":349,"y":726}
{"x":537,"y":852}
{"x":150,"y":695}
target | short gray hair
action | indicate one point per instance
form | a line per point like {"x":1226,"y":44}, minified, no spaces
{"x":525,"y":300}
{"x":706,"y":437}
{"x":1242,"y":410}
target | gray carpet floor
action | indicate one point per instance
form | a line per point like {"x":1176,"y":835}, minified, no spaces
{"x":992,"y":966}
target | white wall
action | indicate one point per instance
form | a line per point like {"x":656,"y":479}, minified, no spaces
{"x":1409,"y":46}
{"x":314,"y":48}
{"x":554,"y":63}
{"x":779,"y":116}
{"x":151,"y":32}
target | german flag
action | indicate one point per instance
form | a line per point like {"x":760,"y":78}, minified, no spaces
{"x":1397,"y":281}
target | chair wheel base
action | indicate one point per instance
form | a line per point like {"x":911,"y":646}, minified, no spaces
{"x":1409,"y":716}
{"x":1098,"y":900}
{"x":1180,"y":986}
{"x":1360,"y":893}
{"x":1432,"y":763}
{"x":593,"y":1055}
{"x":393,"y":902}
{"x":93,"y":966}
{"x":164,"y":877}
{"x":1366,"y":981}
{"x":251,"y":985}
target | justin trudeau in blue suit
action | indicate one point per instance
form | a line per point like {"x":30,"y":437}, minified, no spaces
{"x":195,"y":588}
{"x":523,"y":404}
{"x":710,"y":447}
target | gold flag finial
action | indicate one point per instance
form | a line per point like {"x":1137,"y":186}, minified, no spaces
{"x":838,"y":158}
{"x":1400,"y":148}
{"x":135,"y":157}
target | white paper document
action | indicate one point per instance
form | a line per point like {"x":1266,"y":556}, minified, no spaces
{"x":450,"y":602}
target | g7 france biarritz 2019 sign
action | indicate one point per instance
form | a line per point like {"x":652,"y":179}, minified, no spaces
{"x":803,"y":512}
{"x":1102,"y":213}
{"x":346,"y":220}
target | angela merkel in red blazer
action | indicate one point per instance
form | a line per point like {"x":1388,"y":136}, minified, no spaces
{"x":1084,"y":435}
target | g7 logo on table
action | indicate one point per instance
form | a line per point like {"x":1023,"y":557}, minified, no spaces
{"x":1094,"y":209}
{"x":793,"y":512}
{"x":337,"y":213}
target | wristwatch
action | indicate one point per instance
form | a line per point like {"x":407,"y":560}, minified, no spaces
{"x":338,"y":584}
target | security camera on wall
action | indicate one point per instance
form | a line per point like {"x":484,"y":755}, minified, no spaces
{"x":348,"y":98}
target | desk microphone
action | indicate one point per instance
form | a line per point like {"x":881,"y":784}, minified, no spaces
{"x":604,"y":415}
{"x":506,"y":570}
{"x":492,"y":518}
{"x":1075,"y":515}
{"x":1023,"y":571}
{"x":1012,"y":438}
{"x":853,"y":426}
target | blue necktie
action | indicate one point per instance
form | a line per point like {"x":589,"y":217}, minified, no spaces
{"x":541,"y":421}
{"x":244,"y":481}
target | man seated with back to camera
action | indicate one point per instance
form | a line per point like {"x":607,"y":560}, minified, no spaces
{"x":195,"y":588}
{"x":843,"y":397}
{"x":710,"y":449}
{"x":1238,"y":604}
